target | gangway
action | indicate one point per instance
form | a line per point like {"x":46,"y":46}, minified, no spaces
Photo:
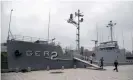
{"x":93,"y":65}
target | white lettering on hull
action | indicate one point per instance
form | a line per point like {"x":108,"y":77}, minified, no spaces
{"x":46,"y":53}
{"x":51,"y":55}
{"x":29,"y":53}
{"x":37,"y":53}
{"x":54,"y":54}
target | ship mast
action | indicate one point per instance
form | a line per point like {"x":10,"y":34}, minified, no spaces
{"x":123,"y":39}
{"x":97,"y":32}
{"x":77,"y":24}
{"x":111,"y":24}
{"x":132,"y":42}
{"x":96,"y":41}
{"x":9,"y":30}
{"x":48,"y":25}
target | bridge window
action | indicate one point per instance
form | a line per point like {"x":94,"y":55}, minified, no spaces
{"x":129,"y":58}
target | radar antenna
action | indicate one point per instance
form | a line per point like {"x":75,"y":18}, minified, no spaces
{"x":111,"y":24}
{"x":77,"y":24}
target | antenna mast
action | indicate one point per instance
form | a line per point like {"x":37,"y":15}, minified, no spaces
{"x":111,"y":24}
{"x":48,"y":25}
{"x":77,"y":24}
{"x":97,"y":31}
{"x":9,"y":31}
{"x":123,"y":39}
{"x":132,"y":41}
{"x":132,"y":44}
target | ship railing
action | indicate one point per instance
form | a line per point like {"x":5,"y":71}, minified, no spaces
{"x":25,"y":38}
{"x":56,"y":43}
{"x":32,"y":39}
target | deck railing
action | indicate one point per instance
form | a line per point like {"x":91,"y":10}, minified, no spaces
{"x":31,"y":39}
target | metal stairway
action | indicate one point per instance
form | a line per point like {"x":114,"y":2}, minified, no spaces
{"x":79,"y":57}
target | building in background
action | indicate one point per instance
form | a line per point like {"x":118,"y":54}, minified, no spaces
{"x":3,"y":47}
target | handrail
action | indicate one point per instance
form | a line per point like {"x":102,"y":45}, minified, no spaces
{"x":32,"y":39}
{"x":26,"y":38}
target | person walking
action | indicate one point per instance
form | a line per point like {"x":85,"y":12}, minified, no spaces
{"x":91,"y":59}
{"x":116,"y":65}
{"x":101,"y":61}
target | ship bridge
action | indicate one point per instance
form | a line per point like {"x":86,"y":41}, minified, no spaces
{"x":108,"y":45}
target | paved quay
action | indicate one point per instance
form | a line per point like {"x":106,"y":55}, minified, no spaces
{"x":125,"y":73}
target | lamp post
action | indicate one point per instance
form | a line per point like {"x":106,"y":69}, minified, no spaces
{"x":77,"y":24}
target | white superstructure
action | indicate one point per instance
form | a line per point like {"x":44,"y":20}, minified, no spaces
{"x":110,"y":51}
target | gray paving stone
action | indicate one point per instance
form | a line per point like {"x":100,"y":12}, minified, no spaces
{"x":125,"y":73}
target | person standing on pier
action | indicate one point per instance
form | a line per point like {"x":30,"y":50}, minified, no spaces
{"x":91,"y":58}
{"x":101,"y":60}
{"x":116,"y":65}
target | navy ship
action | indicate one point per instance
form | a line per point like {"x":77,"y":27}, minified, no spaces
{"x":38,"y":55}
{"x":46,"y":54}
{"x":110,"y":51}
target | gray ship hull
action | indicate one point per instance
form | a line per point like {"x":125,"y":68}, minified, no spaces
{"x":36,"y":60}
{"x":22,"y":55}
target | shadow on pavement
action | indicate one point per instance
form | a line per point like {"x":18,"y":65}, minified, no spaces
{"x":96,"y":68}
{"x":56,"y":72}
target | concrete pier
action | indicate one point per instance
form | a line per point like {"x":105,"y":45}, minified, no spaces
{"x":125,"y":73}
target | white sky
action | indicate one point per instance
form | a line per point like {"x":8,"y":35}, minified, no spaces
{"x":30,"y":18}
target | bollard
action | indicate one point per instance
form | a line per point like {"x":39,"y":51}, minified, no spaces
{"x":10,"y":70}
{"x":29,"y":69}
{"x":74,"y":66}
{"x":84,"y":66}
{"x":62,"y":67}
{"x":47,"y":68}
{"x":17,"y":70}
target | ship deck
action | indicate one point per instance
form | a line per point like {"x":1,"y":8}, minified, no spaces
{"x":125,"y":73}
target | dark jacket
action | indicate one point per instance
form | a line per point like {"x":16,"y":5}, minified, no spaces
{"x":116,"y":63}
